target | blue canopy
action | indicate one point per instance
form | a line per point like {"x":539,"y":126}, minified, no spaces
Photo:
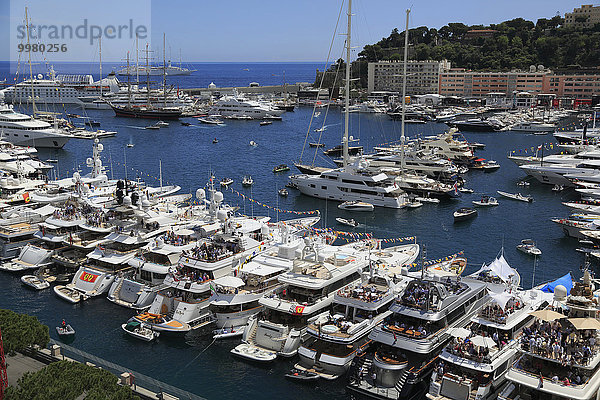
{"x":566,"y":281}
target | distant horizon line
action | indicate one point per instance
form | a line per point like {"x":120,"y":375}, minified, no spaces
{"x":185,"y":62}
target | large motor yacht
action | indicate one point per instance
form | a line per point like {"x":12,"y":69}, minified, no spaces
{"x":239,"y":107}
{"x":352,"y":183}
{"x":339,"y":336}
{"x":318,"y":271}
{"x":406,"y":345}
{"x":475,"y":362}
{"x":23,"y":130}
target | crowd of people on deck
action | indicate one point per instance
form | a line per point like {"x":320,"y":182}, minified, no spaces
{"x":211,"y":251}
{"x":421,"y":296}
{"x":466,"y":349}
{"x":494,"y":312}
{"x":563,"y":375}
{"x":181,"y":273}
{"x":367,"y":293}
{"x":172,"y":238}
{"x":559,"y":341}
{"x":68,"y":213}
{"x":95,"y":218}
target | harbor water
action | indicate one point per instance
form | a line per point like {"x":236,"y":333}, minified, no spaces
{"x":188,"y":155}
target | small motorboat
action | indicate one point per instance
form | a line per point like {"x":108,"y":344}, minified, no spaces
{"x":226,"y":182}
{"x":523,"y":183}
{"x":302,"y":375}
{"x":226,"y":333}
{"x":527,"y":246}
{"x":348,"y":222}
{"x":465,"y":190}
{"x":414,"y":204}
{"x":247,"y":181}
{"x":215,"y":140}
{"x":291,"y":185}
{"x":210,"y":121}
{"x":140,"y":331}
{"x":253,"y":143}
{"x":281,"y":168}
{"x":490,"y":166}
{"x":283,"y":192}
{"x":312,"y":144}
{"x":183,"y":123}
{"x":427,"y":200}
{"x":65,"y":331}
{"x":35,"y":282}
{"x":486,"y":201}
{"x":516,"y":196}
{"x":356,"y":206}
{"x":153,"y":127}
{"x":320,"y":129}
{"x":463,"y":214}
{"x":52,"y":160}
{"x":557,"y":188}
{"x":162,"y":124}
{"x":129,"y":145}
{"x":317,"y":114}
{"x":263,"y":123}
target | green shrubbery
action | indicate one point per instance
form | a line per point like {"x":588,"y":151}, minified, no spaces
{"x":68,"y":380}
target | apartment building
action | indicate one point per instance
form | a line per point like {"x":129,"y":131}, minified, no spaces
{"x":422,"y":76}
{"x":586,"y":16}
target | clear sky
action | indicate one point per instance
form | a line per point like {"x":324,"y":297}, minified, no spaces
{"x":285,"y":30}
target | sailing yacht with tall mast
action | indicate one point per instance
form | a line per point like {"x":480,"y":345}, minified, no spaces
{"x":351,"y":182}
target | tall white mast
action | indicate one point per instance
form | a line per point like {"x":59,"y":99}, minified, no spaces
{"x":100,"y":51}
{"x":164,"y":71}
{"x":137,"y":64}
{"x":30,"y":69}
{"x":347,"y":93}
{"x":402,"y":137}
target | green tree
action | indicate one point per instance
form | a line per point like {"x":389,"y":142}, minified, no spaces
{"x":20,"y":331}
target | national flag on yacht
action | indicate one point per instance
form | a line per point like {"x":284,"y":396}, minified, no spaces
{"x":456,"y":188}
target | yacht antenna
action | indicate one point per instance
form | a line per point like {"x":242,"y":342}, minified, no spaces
{"x":100,"y":51}
{"x":30,"y":69}
{"x":533,"y":277}
{"x":403,"y":137}
{"x":347,"y":91}
{"x":160,"y":173}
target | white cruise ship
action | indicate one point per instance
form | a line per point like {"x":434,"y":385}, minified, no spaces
{"x":239,"y":107}
{"x":23,"y":130}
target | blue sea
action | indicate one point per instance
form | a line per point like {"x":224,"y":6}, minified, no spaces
{"x":188,"y":155}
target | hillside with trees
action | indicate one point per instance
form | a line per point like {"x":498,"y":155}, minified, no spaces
{"x":517,"y":43}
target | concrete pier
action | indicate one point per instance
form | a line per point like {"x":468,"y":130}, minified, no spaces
{"x":290,"y":89}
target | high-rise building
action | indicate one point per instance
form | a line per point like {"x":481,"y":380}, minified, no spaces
{"x":422,"y":76}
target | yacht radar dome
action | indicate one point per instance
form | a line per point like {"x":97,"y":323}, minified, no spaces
{"x":560,"y":293}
